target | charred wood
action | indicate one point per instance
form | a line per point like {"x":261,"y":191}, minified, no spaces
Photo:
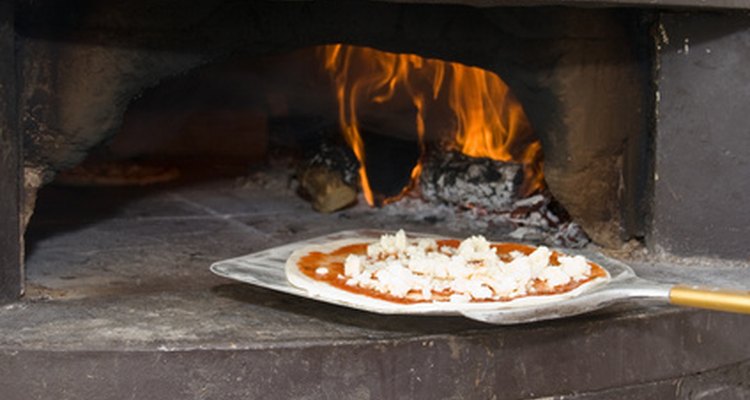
{"x":328,"y":177}
{"x":326,"y":189}
{"x":457,"y":179}
{"x":543,"y":213}
{"x":334,"y":156}
{"x":492,"y":191}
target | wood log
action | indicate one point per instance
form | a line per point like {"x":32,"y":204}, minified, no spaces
{"x":328,"y":178}
{"x":336,"y":156}
{"x":326,"y":189}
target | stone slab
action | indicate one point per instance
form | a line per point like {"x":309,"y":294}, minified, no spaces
{"x":482,"y":362}
{"x":122,"y":305}
{"x":727,"y":383}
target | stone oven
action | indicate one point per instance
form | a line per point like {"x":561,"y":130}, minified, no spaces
{"x":214,"y":115}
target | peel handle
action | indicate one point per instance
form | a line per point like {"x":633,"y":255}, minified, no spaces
{"x":712,"y":299}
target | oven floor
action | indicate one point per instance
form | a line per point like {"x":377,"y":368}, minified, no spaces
{"x":120,"y":304}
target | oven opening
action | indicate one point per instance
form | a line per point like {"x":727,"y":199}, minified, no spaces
{"x":303,"y":143}
{"x":425,"y":138}
{"x":343,"y":136}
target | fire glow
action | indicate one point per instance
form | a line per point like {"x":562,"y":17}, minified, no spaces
{"x":487,"y":120}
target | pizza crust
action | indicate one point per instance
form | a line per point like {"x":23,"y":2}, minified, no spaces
{"x":326,"y":292}
{"x":116,"y":174}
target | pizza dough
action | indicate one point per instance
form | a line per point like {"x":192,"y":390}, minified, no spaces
{"x":428,"y":274}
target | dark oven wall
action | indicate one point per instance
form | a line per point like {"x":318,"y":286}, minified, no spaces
{"x":10,"y":164}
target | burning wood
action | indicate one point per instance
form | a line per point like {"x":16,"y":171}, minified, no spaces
{"x":483,"y":190}
{"x":459,"y":180}
{"x":469,"y":106}
{"x":493,"y":190}
{"x":493,"y":171}
{"x":542,"y":218}
{"x":327,"y":189}
{"x":329,"y":178}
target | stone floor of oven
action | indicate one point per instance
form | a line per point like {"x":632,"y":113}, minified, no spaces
{"x":120,"y":304}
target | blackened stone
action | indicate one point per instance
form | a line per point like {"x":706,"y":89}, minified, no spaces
{"x":10,"y":162}
{"x":701,"y":187}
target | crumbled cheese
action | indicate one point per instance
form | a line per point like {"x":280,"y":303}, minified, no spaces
{"x":538,"y":260}
{"x":519,"y":269}
{"x":399,"y":266}
{"x":576,"y":267}
{"x":554,"y":276}
{"x":352,"y":265}
{"x":321,"y":271}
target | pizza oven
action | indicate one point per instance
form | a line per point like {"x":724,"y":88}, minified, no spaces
{"x":143,"y":141}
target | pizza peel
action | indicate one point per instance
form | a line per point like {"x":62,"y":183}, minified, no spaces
{"x":266,"y":269}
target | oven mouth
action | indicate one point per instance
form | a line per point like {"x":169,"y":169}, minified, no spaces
{"x":422,"y":138}
{"x":135,"y":130}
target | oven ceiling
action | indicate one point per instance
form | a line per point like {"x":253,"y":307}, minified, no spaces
{"x":715,"y":4}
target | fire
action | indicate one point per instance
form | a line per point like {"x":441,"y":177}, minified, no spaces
{"x":487,"y":120}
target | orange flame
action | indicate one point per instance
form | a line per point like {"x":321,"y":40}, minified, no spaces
{"x":489,"y":121}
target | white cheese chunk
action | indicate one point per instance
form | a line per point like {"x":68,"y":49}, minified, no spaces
{"x":576,"y":267}
{"x":519,"y":269}
{"x":396,"y":280}
{"x":554,"y":276}
{"x":538,"y":260}
{"x":352,"y":266}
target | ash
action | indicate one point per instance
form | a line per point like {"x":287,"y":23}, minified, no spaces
{"x":534,"y":219}
{"x":456,"y":179}
{"x":485,"y":195}
{"x":537,"y":219}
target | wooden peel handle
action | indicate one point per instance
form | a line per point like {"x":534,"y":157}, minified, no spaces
{"x":712,"y":299}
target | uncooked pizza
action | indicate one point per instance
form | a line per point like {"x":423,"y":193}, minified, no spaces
{"x":414,"y":270}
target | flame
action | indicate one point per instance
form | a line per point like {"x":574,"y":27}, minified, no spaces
{"x":488,"y":120}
